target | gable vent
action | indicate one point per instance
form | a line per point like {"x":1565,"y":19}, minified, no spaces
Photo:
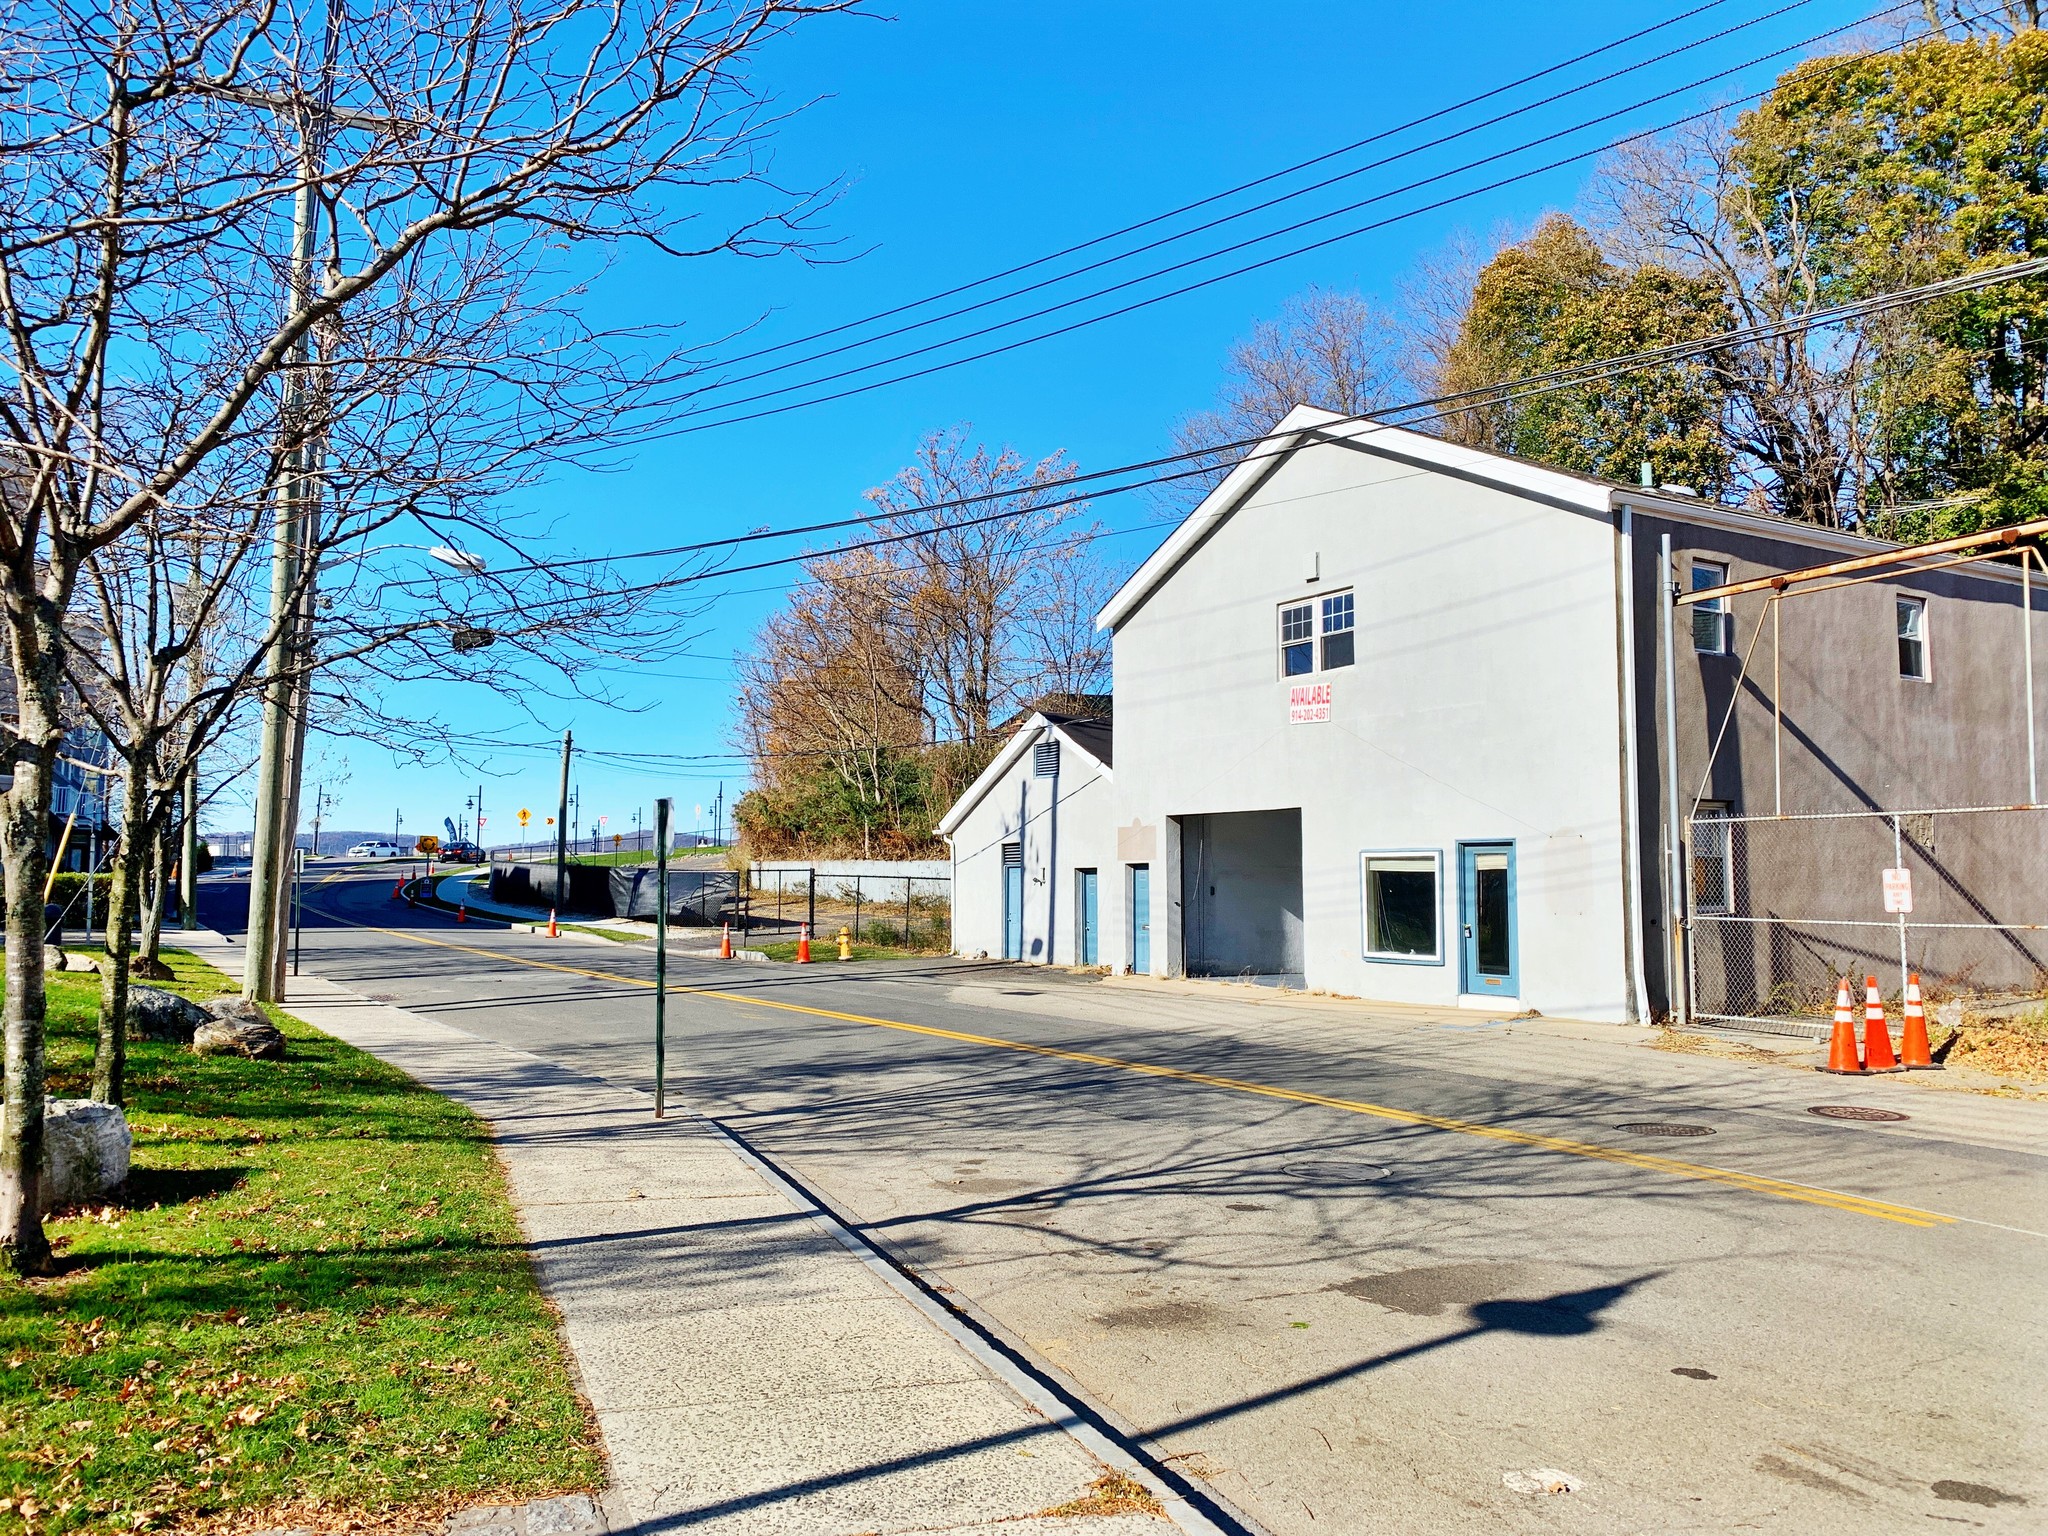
{"x":1045,"y":759}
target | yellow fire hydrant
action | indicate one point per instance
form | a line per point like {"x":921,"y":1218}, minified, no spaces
{"x":845,"y":945}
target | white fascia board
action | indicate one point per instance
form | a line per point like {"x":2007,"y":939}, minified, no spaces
{"x":992,"y":775}
{"x":1303,"y":427}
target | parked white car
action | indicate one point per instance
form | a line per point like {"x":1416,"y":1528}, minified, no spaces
{"x":376,"y":851}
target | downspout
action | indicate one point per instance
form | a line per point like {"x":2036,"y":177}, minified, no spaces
{"x":1052,"y":853}
{"x":1680,"y":999}
{"x":1631,"y":783}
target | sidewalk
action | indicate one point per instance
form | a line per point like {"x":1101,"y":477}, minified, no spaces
{"x":753,"y":1368}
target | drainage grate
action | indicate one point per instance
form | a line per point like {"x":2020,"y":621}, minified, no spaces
{"x":1664,"y":1128}
{"x":1855,"y":1112}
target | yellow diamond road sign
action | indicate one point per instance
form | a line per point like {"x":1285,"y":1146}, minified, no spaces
{"x":524,"y":816}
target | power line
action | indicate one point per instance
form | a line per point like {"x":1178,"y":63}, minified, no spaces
{"x":867,"y":519}
{"x":1240,"y":271}
{"x":1242,"y":213}
{"x":1435,"y":408}
{"x":1217,"y":197}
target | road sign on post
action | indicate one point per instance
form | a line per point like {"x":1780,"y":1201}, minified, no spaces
{"x":1898,"y":890}
{"x":524,"y":817}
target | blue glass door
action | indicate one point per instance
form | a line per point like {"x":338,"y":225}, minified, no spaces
{"x":1013,"y":901}
{"x":1084,"y":917}
{"x":1486,"y":900}
{"x":1141,"y":919}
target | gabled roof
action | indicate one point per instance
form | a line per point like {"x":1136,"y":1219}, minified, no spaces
{"x":1306,"y":424}
{"x":1089,"y":735}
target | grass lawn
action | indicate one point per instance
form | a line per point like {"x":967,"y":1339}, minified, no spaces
{"x":313,"y":1291}
{"x":827,"y":949}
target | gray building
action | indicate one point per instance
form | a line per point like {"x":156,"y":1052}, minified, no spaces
{"x":1390,"y":723}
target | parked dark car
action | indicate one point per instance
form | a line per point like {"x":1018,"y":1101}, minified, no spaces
{"x":455,"y":852}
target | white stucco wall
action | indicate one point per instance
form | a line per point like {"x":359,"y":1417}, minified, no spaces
{"x":1483,"y":706}
{"x":1060,"y":835}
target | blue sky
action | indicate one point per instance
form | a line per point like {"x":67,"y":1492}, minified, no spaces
{"x":966,"y":138}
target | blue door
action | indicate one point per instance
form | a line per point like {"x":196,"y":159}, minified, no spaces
{"x":1486,"y":900}
{"x":1084,"y":917}
{"x":1013,"y":901}
{"x":1141,"y":919}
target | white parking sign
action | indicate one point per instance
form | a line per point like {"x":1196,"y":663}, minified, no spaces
{"x":1898,"y":890}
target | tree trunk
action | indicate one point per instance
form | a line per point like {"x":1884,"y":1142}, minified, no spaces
{"x":110,"y":1060}
{"x":149,"y":962}
{"x":24,"y":827}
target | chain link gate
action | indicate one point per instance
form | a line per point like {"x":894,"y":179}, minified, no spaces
{"x":1780,"y":908}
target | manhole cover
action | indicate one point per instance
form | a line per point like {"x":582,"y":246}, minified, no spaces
{"x":1855,"y":1112}
{"x":1338,"y":1173}
{"x":1664,"y":1128}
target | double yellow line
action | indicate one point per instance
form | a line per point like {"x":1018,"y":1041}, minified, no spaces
{"x":1759,"y":1184}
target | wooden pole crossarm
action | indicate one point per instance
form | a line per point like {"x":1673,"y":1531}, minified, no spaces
{"x":1780,"y":582}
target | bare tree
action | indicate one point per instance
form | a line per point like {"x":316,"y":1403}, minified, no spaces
{"x":160,"y":337}
{"x":1336,"y":350}
{"x":1681,"y":201}
{"x":974,"y":526}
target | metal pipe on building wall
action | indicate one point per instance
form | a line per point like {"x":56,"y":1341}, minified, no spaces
{"x":1680,"y":999}
{"x":1052,"y":854}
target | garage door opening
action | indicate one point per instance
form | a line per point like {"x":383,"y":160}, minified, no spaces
{"x":1241,"y":896}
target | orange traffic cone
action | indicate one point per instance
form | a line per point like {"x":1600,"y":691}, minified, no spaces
{"x":1877,"y":1034}
{"x":1842,"y":1059}
{"x":725,"y":943}
{"x":1913,"y":1052}
{"x":398,"y":888}
{"x":554,"y":932}
{"x":462,"y":913}
{"x":803,"y":943}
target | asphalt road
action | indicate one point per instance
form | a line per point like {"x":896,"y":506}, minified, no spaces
{"x":1362,"y":1270}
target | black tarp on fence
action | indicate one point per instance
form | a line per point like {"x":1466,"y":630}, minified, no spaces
{"x":695,"y":896}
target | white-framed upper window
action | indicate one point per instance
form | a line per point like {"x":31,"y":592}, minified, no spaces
{"x":1713,"y":860}
{"x":1403,"y":904}
{"x":1318,"y":635}
{"x":1297,"y":639}
{"x":1912,"y":613}
{"x":1709,"y":618}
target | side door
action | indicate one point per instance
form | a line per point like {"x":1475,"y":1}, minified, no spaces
{"x":1013,"y":901}
{"x":1084,"y":917}
{"x":1488,"y":961}
{"x":1141,"y":919}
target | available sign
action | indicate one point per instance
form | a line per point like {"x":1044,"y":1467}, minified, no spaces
{"x":1308,"y":703}
{"x":1898,"y":890}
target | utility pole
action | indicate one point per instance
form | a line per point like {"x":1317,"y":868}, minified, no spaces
{"x":319,"y":805}
{"x":561,"y":846}
{"x":283,"y":729}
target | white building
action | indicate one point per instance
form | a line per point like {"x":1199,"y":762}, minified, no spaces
{"x":1028,"y":839}
{"x":1389,"y":724}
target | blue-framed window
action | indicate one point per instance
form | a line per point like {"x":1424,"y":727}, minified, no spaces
{"x":1402,"y":897}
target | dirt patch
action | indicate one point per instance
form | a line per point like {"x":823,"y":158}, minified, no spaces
{"x":1110,"y":1494}
{"x":1669,"y":1039}
{"x":1166,"y":1316}
{"x":2017,"y":1051}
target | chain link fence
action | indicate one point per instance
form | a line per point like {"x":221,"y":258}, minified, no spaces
{"x":1782,"y":907}
{"x":897,"y":911}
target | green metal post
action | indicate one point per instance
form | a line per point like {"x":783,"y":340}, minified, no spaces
{"x":661,"y":813}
